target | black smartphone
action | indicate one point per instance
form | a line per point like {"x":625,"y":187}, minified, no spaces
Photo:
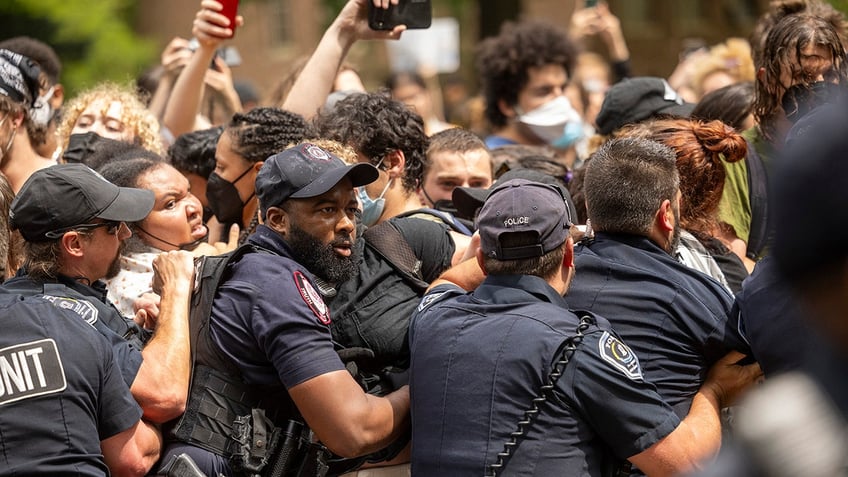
{"x":415,"y":14}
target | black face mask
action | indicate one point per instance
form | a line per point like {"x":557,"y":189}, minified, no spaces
{"x":800,"y":99}
{"x":224,"y":198}
{"x":80,"y":147}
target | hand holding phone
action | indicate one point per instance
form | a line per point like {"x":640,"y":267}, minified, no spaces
{"x":415,"y":14}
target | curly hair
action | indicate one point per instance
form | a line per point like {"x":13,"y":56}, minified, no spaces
{"x":262,"y":132}
{"x":701,"y":148}
{"x":374,"y":125}
{"x":782,"y":53}
{"x":503,"y":61}
{"x":135,"y":115}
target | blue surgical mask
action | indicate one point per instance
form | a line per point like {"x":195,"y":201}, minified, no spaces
{"x":372,"y":209}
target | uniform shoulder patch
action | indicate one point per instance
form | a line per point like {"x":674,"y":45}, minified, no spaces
{"x":429,"y":299}
{"x":620,"y":356}
{"x":312,"y":298}
{"x":29,"y":370}
{"x":83,"y":308}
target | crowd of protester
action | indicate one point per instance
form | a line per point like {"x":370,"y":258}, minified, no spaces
{"x":578,"y":271}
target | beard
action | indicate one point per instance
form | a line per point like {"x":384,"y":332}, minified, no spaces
{"x":115,"y":266}
{"x":320,"y":258}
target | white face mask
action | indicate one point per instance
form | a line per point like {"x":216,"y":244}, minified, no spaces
{"x":549,"y":120}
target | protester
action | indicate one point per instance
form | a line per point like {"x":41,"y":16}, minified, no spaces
{"x":111,"y":111}
{"x":46,"y":59}
{"x":797,"y":53}
{"x":455,"y":158}
{"x":733,"y":105}
{"x":26,"y":114}
{"x":525,"y":91}
{"x":411,"y":89}
{"x":174,"y":223}
{"x":243,"y":146}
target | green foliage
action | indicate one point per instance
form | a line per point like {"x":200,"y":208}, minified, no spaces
{"x":94,"y":39}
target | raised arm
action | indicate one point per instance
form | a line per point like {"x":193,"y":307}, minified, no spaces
{"x":210,"y":28}
{"x":161,"y":385}
{"x":315,"y":82}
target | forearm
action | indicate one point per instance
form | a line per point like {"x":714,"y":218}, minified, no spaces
{"x":161,"y":386}
{"x":466,"y":275}
{"x":184,"y":102}
{"x":159,"y":100}
{"x":134,"y":451}
{"x":315,"y":82}
{"x":388,"y":419}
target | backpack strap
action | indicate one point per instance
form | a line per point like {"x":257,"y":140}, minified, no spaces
{"x":385,"y":239}
{"x":446,"y":217}
{"x":758,"y":196}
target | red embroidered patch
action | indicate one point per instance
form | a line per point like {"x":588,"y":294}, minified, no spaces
{"x":312,"y":298}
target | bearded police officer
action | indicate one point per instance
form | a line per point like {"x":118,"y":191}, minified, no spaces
{"x":482,"y":361}
{"x":267,"y":356}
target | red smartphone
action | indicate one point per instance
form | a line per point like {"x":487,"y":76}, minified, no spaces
{"x":230,"y":10}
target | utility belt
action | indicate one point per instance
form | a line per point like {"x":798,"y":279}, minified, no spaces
{"x":226,"y":417}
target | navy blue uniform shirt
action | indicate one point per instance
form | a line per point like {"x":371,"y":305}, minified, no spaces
{"x":90,"y":304}
{"x":676,"y":319}
{"x":269,"y":320}
{"x":480,"y":358}
{"x":61,"y":391}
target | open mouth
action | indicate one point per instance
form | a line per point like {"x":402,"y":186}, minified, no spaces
{"x":199,"y":231}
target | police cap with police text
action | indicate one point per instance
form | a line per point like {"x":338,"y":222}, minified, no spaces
{"x":522,"y":219}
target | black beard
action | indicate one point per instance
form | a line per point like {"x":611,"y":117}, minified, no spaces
{"x":320,"y":258}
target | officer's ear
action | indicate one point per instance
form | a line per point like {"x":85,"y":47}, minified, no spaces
{"x":568,"y":253}
{"x":278,"y":220}
{"x":72,"y":243}
{"x":480,"y":260}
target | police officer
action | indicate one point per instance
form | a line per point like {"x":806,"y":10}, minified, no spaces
{"x":675,"y":318}
{"x":480,"y":360}
{"x":73,"y":224}
{"x":64,"y":408}
{"x":268,"y":349}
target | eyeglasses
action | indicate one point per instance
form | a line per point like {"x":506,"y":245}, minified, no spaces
{"x":112,"y":228}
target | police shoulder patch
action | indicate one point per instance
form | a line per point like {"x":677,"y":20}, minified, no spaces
{"x":83,"y":308}
{"x":312,"y":298}
{"x":429,"y":300}
{"x":620,"y":356}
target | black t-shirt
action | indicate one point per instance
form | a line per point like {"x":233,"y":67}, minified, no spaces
{"x":372,"y":309}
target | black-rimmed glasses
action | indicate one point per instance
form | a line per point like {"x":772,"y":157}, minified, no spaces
{"x":112,"y":228}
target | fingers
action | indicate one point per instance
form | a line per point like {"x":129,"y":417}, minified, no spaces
{"x":732,"y":357}
{"x":232,"y":239}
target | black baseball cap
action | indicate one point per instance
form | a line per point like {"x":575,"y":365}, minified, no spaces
{"x":635,"y":99}
{"x":522,"y":206}
{"x":59,"y":197}
{"x":305,"y":171}
{"x":468,"y":200}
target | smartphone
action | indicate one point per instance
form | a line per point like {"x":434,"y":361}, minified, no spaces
{"x":415,"y":14}
{"x":230,"y":11}
{"x":591,"y":3}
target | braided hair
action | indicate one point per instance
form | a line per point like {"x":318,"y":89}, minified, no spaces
{"x":263,"y":132}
